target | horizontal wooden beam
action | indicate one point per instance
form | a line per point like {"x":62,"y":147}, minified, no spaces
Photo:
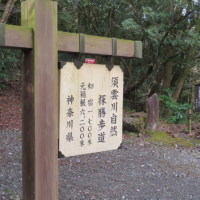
{"x":138,"y":49}
{"x":68,"y":42}
{"x":90,"y":44}
{"x":125,"y":48}
{"x":16,"y":37}
{"x":95,"y":45}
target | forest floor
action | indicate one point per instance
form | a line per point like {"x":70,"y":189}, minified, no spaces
{"x":161,"y":165}
{"x":11,"y":114}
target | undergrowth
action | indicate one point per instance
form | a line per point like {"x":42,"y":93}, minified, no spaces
{"x":169,"y":141}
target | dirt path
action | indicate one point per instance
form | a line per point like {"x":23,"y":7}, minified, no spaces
{"x":141,"y":170}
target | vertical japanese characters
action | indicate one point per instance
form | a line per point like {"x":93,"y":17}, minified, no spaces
{"x":114,"y":103}
{"x":82,"y":113}
{"x":90,"y":113}
{"x":70,"y":113}
{"x":101,"y":115}
{"x":91,"y":107}
{"x":86,"y":105}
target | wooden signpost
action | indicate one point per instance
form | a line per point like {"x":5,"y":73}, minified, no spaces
{"x":40,"y":41}
{"x":90,"y":114}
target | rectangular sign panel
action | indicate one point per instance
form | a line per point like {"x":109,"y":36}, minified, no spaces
{"x":90,"y":61}
{"x":90,"y":118}
{"x":197,"y":98}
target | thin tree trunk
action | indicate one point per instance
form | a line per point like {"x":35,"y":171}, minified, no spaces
{"x":7,"y":11}
{"x":180,"y":95}
{"x":158,"y":81}
{"x":168,"y":66}
{"x":167,"y":72}
{"x":174,"y":79}
{"x":180,"y":82}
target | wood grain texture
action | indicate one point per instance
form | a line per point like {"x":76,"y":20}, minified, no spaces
{"x":68,"y":42}
{"x":138,"y":49}
{"x":15,"y":37}
{"x":94,"y":45}
{"x":28,"y":127}
{"x":22,"y":38}
{"x":24,"y":13}
{"x":125,"y":48}
{"x":98,"y":45}
{"x":42,"y":18}
{"x":18,"y":37}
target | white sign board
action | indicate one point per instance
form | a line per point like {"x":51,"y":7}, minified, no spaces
{"x":90,"y":117}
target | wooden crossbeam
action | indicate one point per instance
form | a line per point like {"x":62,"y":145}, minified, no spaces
{"x":15,"y":37}
{"x":21,"y":38}
{"x":95,"y":45}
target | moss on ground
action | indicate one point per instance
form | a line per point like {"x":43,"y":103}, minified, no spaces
{"x":169,"y":141}
{"x":133,"y":134}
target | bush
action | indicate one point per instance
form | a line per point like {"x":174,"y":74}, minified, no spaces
{"x":172,"y":111}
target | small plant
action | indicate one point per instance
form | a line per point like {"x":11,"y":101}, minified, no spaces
{"x":8,"y":190}
{"x":171,"y":110}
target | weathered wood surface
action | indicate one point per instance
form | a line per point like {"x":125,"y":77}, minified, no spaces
{"x":138,"y":49}
{"x":96,"y":45}
{"x":22,"y":38}
{"x":15,"y":37}
{"x":68,"y":42}
{"x":125,"y":48}
{"x":40,"y":103}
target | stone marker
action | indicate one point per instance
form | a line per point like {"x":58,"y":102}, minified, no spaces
{"x":91,"y":100}
{"x":153,"y":113}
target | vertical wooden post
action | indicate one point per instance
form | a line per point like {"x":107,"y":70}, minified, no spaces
{"x":40,"y":102}
{"x":189,"y":120}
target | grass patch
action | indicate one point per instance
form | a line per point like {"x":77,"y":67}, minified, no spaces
{"x":168,"y":140}
{"x":194,"y":141}
{"x":133,"y":134}
{"x":8,"y":190}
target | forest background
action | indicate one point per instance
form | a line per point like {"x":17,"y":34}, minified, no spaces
{"x":168,"y":29}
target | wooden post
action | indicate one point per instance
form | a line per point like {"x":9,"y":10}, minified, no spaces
{"x":189,"y":120}
{"x":40,"y":102}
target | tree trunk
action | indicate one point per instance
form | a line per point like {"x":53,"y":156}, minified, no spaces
{"x":168,"y":66}
{"x":180,"y":83}
{"x":7,"y":11}
{"x":180,"y":95}
{"x":174,"y":79}
{"x":137,"y":86}
{"x":168,"y":72}
{"x":158,"y":81}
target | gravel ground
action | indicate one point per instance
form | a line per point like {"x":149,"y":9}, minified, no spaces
{"x":138,"y":171}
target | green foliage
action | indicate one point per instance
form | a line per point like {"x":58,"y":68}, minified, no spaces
{"x":196,"y":117}
{"x":9,"y":64}
{"x":128,"y":107}
{"x":172,"y":111}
